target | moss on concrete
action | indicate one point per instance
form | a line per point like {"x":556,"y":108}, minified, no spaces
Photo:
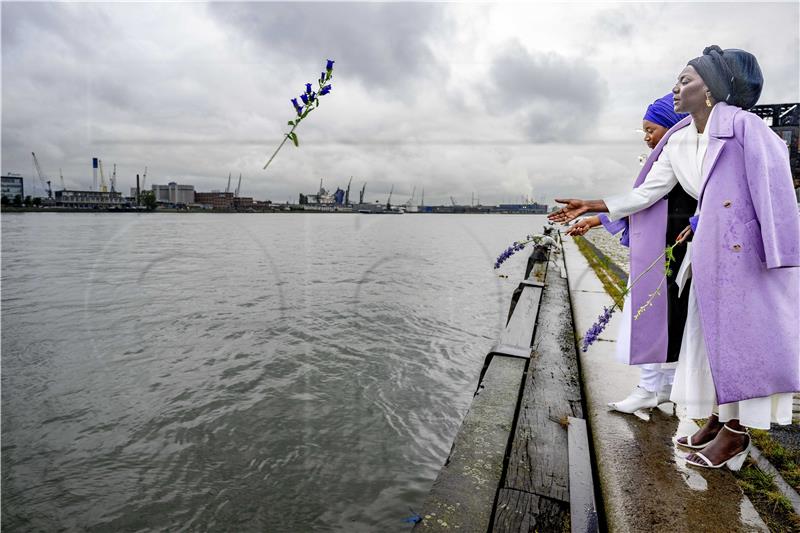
{"x":786,"y":461}
{"x":772,"y":506}
{"x":612,"y":283}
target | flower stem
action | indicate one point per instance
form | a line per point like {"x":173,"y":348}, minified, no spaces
{"x":278,"y":149}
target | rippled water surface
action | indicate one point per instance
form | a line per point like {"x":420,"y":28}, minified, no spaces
{"x":263,"y":372}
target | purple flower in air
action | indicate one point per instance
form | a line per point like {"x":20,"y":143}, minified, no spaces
{"x":308,"y":88}
{"x":329,"y":66}
{"x":321,"y":78}
{"x":325,"y":90}
{"x":297,"y":106}
{"x":304,"y":97}
{"x":312,"y":97}
{"x":598,"y":327}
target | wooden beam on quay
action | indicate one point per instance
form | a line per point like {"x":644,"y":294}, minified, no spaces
{"x":514,"y":466}
{"x":535,"y":493}
{"x":463,"y":495}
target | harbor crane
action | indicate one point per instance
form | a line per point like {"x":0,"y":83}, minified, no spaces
{"x":361,"y":194}
{"x":413,"y":194}
{"x":389,"y":201}
{"x":144,"y":176}
{"x":452,"y":201}
{"x":114,"y":179}
{"x":347,"y":192}
{"x":238,"y":186}
{"x":228,"y":187}
{"x":45,"y":181}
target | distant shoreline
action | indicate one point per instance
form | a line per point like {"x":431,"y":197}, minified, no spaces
{"x":221,"y":212}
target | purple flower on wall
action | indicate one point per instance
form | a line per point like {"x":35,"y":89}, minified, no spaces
{"x":597,"y":328}
{"x":519,"y":246}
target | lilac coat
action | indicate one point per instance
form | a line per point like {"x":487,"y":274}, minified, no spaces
{"x":745,"y":259}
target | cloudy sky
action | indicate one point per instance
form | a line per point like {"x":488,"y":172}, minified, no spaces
{"x":499,"y":100}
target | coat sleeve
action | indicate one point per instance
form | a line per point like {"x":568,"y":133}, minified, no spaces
{"x":615,"y":227}
{"x":659,"y":181}
{"x":769,"y":180}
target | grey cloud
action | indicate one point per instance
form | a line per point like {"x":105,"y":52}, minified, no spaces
{"x":619,"y":22}
{"x":383,"y":44}
{"x":555,"y":98}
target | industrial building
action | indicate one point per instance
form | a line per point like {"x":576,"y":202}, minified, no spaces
{"x":215,"y":199}
{"x":174,"y":194}
{"x":90,"y":199}
{"x":12,"y":186}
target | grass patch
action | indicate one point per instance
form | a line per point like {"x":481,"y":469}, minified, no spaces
{"x":772,"y":506}
{"x":786,"y":461}
{"x":613,"y":285}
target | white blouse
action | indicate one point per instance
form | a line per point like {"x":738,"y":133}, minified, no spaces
{"x":680,"y":161}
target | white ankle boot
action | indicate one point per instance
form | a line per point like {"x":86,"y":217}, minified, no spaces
{"x":638,"y":399}
{"x":663,"y":394}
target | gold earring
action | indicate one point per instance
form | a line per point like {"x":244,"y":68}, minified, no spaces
{"x":708,"y":102}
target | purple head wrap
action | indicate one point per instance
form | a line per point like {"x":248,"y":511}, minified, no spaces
{"x":662,"y":112}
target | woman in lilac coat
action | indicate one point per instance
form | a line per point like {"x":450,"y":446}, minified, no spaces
{"x":740,"y":355}
{"x":655,"y":380}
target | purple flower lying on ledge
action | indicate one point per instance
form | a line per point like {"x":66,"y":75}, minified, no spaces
{"x":310,"y":102}
{"x":511,"y":250}
{"x":519,"y":246}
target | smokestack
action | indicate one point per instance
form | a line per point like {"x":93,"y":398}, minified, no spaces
{"x":94,"y":173}
{"x":137,"y":189}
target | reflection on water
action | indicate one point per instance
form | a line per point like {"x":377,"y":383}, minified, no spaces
{"x":260,"y":372}
{"x":692,"y":476}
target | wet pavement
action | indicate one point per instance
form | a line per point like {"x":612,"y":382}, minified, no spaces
{"x":645,"y":482}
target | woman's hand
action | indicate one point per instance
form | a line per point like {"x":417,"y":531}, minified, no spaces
{"x":573,"y":209}
{"x":685,"y":234}
{"x":583,"y":225}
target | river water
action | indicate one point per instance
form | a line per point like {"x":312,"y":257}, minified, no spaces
{"x":253,"y":372}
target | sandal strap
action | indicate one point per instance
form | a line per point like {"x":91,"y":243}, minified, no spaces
{"x":704,"y":458}
{"x":726,"y":426}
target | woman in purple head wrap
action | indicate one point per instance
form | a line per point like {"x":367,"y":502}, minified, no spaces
{"x":655,"y":382}
{"x":740,"y":355}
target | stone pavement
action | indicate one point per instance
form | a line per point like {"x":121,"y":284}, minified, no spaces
{"x":645,"y":482}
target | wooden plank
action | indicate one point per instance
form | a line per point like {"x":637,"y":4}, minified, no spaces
{"x":539,"y":457}
{"x":523,"y":512}
{"x":538,"y":272}
{"x":519,"y":330}
{"x":582,"y":509}
{"x":463,"y":494}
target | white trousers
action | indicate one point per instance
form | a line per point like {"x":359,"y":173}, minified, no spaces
{"x":654,"y":376}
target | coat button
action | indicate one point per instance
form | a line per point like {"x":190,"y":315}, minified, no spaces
{"x":726,"y":203}
{"x":736,"y":247}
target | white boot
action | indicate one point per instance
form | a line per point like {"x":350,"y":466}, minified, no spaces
{"x":663,"y":394}
{"x":638,"y":399}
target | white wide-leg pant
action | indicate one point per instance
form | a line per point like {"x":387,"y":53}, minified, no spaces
{"x":654,"y":376}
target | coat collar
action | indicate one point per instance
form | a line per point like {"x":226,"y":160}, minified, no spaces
{"x":720,"y":127}
{"x":721,"y":123}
